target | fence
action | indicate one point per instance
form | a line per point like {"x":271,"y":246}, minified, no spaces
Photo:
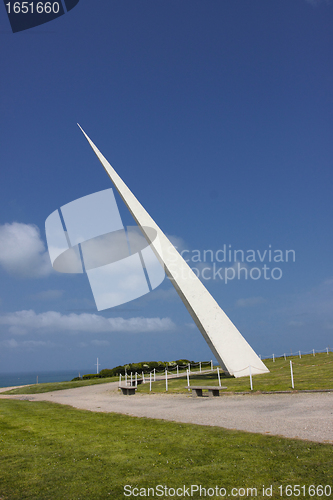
{"x":171,"y":369}
{"x":132,"y":379}
{"x":297,"y":353}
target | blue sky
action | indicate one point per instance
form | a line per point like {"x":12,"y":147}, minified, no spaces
{"x":218,"y":116}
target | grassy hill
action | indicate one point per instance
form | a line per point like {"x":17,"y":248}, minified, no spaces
{"x":310,"y":373}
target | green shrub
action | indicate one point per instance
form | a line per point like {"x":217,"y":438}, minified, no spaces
{"x":118,"y":370}
{"x":183,"y":362}
{"x":135,"y":367}
{"x":106,"y":373}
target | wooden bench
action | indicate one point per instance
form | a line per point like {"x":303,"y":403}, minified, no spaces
{"x":138,"y":382}
{"x":127,"y":389}
{"x":213,"y":390}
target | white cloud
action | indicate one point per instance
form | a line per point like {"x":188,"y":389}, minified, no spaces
{"x":12,"y":343}
{"x":250,"y":302}
{"x":22,"y":322}
{"x":17,"y":330}
{"x":36,"y":343}
{"x":177,"y":242}
{"x":22,"y":251}
{"x":48,"y":295}
{"x":26,"y":344}
{"x":191,"y":325}
{"x":101,"y":343}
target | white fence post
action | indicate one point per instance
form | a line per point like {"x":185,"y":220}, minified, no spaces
{"x":166,"y":379}
{"x":300,"y":355}
{"x":327,"y":350}
{"x":292,"y":375}
{"x":313,"y":352}
{"x":136,"y":379}
{"x":218,"y":376}
{"x":150,"y":381}
{"x":119,"y":378}
{"x":143,"y":378}
{"x":273,"y":358}
{"x":189,"y":367}
{"x":154,"y":374}
{"x":188,"y":378}
{"x":131,"y":379}
{"x":285,"y":357}
{"x":177,"y":371}
{"x":251,"y":385}
{"x":211,"y":364}
{"x":125,"y":378}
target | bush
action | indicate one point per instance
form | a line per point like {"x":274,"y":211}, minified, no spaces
{"x":106,"y":373}
{"x":151,"y":365}
{"x":135,"y":367}
{"x":91,"y":375}
{"x":118,"y":370}
{"x":183,"y":362}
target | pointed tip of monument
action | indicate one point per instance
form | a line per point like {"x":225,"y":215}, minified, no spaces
{"x":83,"y":132}
{"x":88,"y":138}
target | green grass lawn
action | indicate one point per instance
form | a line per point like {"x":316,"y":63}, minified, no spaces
{"x":54,"y":452}
{"x":310,"y":372}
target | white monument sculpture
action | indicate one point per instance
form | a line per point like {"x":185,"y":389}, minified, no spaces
{"x":229,"y":347}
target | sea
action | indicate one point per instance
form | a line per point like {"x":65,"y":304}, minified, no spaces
{"x":26,"y":378}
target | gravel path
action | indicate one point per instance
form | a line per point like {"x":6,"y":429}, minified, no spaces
{"x":299,"y":415}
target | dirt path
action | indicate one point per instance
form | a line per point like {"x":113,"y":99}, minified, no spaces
{"x":300,"y":415}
